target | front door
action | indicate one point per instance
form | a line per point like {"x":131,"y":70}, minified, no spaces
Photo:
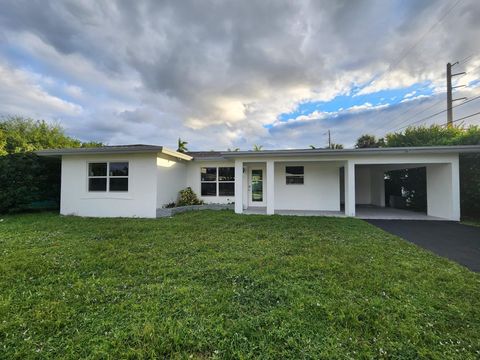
{"x":256,"y":187}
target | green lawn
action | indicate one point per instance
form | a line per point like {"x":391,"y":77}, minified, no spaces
{"x":219,"y":285}
{"x":472,"y":222}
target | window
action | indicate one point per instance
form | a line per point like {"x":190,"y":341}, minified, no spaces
{"x":97,"y":177}
{"x":118,"y":172}
{"x":226,"y":181}
{"x":219,"y":181}
{"x":208,"y":177}
{"x":294,"y":175}
{"x":101,"y":180}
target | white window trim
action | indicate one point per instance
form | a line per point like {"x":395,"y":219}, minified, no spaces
{"x":107,"y":177}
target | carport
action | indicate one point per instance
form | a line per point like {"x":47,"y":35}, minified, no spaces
{"x":370,"y":195}
{"x":364,"y":178}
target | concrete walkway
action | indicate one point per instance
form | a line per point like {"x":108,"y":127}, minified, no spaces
{"x":455,"y":241}
{"x":387,"y":213}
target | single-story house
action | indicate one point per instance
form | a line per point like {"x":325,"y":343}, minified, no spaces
{"x":136,"y":180}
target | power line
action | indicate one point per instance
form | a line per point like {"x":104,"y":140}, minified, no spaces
{"x":463,"y":118}
{"x":415,"y":114}
{"x":405,"y":53}
{"x":438,"y":113}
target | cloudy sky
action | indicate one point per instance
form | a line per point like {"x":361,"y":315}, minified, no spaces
{"x":223,"y":74}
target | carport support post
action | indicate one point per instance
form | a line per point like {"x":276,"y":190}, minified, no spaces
{"x":238,"y":186}
{"x":270,"y":187}
{"x":350,"y":188}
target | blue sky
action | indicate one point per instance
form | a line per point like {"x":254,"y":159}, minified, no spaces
{"x":342,"y":102}
{"x":233,"y":74}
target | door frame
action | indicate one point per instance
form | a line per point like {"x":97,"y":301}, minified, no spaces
{"x":250,"y":202}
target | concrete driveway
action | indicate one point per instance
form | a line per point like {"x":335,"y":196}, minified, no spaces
{"x":455,"y":241}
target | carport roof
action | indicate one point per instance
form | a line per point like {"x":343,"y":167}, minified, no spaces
{"x":457,"y":149}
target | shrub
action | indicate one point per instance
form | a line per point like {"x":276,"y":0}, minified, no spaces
{"x":169,"y":205}
{"x":28,"y":182}
{"x":188,"y":197}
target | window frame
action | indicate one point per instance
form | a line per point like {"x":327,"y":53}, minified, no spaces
{"x":217,"y":181}
{"x":107,"y":177}
{"x":297,"y":176}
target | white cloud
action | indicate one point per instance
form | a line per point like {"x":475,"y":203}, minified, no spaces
{"x":20,"y":95}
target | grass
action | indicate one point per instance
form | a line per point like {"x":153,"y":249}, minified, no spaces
{"x":219,"y":285}
{"x":471,"y":221}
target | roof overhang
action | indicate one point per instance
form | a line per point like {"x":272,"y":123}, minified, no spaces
{"x":354,"y":152}
{"x":109,"y":150}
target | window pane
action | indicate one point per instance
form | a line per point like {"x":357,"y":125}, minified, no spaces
{"x":209,"y":174}
{"x":97,"y":169}
{"x":226,"y":189}
{"x":209,"y":189}
{"x":226,"y":174}
{"x":97,"y":184}
{"x":294,"y":179}
{"x":257,"y":185}
{"x":294,"y":170}
{"x":118,"y":184}
{"x":119,"y":169}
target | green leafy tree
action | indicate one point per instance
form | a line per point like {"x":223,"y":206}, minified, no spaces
{"x":3,"y":143}
{"x":334,"y":146}
{"x":233,"y":149}
{"x":257,"y":147}
{"x":182,"y":146}
{"x":313,"y":147}
{"x":21,"y":134}
{"x":369,"y":141}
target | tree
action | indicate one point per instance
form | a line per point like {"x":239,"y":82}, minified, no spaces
{"x":334,"y":146}
{"x":182,"y":146}
{"x":234,"y":149}
{"x":3,"y":142}
{"x":19,"y":134}
{"x":313,"y":147}
{"x":257,"y":147}
{"x":369,"y":141}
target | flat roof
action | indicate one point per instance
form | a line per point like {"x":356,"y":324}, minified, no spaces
{"x":114,"y":149}
{"x":219,"y":155}
{"x":363,"y":151}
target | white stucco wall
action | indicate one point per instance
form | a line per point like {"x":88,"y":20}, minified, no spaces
{"x":193,"y":180}
{"x":320,"y":191}
{"x":139,"y":201}
{"x":443,"y":198}
{"x":369,"y":185}
{"x":171,"y":178}
{"x":363,"y":187}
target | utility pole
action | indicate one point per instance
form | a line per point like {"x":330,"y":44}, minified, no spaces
{"x":450,"y":88}
{"x":329,"y":140}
